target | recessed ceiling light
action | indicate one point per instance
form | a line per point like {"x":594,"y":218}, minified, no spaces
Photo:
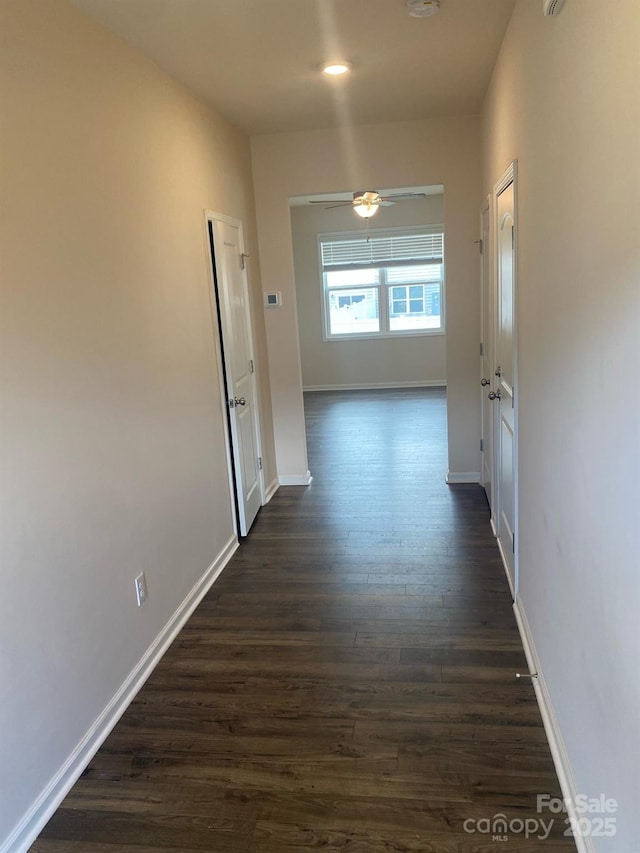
{"x":334,"y":69}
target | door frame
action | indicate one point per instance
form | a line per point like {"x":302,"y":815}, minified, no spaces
{"x":487,"y":338}
{"x":510,"y":176}
{"x":215,"y":282}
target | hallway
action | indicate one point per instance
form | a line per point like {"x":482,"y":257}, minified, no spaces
{"x":348,"y":682}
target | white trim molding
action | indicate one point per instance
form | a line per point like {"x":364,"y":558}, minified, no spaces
{"x":28,"y":829}
{"x":457,"y":477}
{"x":584,"y":844}
{"x":223,"y":333}
{"x":366,"y":386}
{"x":295,"y":479}
{"x":510,"y":176}
{"x":505,"y":563}
{"x":270,"y":491}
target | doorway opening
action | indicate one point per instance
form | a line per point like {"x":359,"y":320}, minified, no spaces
{"x":370,"y":293}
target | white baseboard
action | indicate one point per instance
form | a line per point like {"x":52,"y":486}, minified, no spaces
{"x":584,"y":844}
{"x":27,"y":830}
{"x":272,"y":488}
{"x":505,"y":565}
{"x":366,"y":386}
{"x":295,"y":479}
{"x":454,"y":477}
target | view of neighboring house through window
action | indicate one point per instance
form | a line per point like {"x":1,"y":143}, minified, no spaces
{"x":390,"y":283}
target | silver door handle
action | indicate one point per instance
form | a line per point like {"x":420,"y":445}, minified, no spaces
{"x":240,"y":401}
{"x":484,"y":382}
{"x":494,"y":395}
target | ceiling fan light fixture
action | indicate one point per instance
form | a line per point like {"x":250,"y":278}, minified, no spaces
{"x":366,"y":204}
{"x":423,"y":8}
{"x":335,"y":69}
{"x":366,"y":209}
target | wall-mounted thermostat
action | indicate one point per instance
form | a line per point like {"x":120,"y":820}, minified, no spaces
{"x":273,"y":300}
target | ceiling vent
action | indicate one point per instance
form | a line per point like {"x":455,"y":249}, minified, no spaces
{"x":552,"y":7}
{"x":423,"y":8}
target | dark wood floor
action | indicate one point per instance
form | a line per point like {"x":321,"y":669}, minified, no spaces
{"x":347,"y":684}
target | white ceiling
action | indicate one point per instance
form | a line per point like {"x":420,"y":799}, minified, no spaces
{"x":257,"y":61}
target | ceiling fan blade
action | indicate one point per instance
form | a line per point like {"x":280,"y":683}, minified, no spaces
{"x":385,"y":203}
{"x":339,"y":204}
{"x":335,"y":201}
{"x":403,"y":196}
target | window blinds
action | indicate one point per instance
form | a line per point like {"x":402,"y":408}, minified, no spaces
{"x":383,"y":251}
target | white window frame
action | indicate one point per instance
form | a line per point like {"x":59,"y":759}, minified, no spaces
{"x":383,"y":287}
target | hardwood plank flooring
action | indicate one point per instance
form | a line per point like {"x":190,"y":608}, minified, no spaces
{"x":347,"y":684}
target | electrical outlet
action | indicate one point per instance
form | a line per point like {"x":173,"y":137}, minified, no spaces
{"x":141,"y":589}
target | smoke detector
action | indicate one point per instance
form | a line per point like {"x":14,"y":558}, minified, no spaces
{"x":423,"y":8}
{"x":552,"y":7}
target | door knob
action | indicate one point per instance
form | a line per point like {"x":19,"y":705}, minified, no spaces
{"x":498,"y":371}
{"x":240,"y":401}
{"x":484,"y":382}
{"x":494,"y":395}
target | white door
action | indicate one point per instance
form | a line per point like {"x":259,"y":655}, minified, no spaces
{"x":234,"y":319}
{"x":487,"y":361}
{"x":505,"y":374}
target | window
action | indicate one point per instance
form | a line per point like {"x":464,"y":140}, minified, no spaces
{"x":389,"y":284}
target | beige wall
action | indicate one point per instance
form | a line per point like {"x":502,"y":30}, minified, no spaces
{"x":112,"y":428}
{"x":359,"y":363}
{"x":564,"y":101}
{"x":443,"y":151}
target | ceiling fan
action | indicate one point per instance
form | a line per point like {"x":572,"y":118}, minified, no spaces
{"x":366,"y":202}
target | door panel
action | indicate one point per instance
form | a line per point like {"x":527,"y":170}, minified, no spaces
{"x":233,"y":306}
{"x":505,"y":373}
{"x":249,"y":456}
{"x":506,"y":524}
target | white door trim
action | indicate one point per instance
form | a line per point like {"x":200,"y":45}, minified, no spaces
{"x":211,"y":216}
{"x":487,"y":286}
{"x":510,"y":176}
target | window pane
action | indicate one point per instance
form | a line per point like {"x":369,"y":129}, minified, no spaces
{"x":351,"y":278}
{"x":353,"y":312}
{"x":416,"y":291}
{"x":424,"y":313}
{"x":398,"y":292}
